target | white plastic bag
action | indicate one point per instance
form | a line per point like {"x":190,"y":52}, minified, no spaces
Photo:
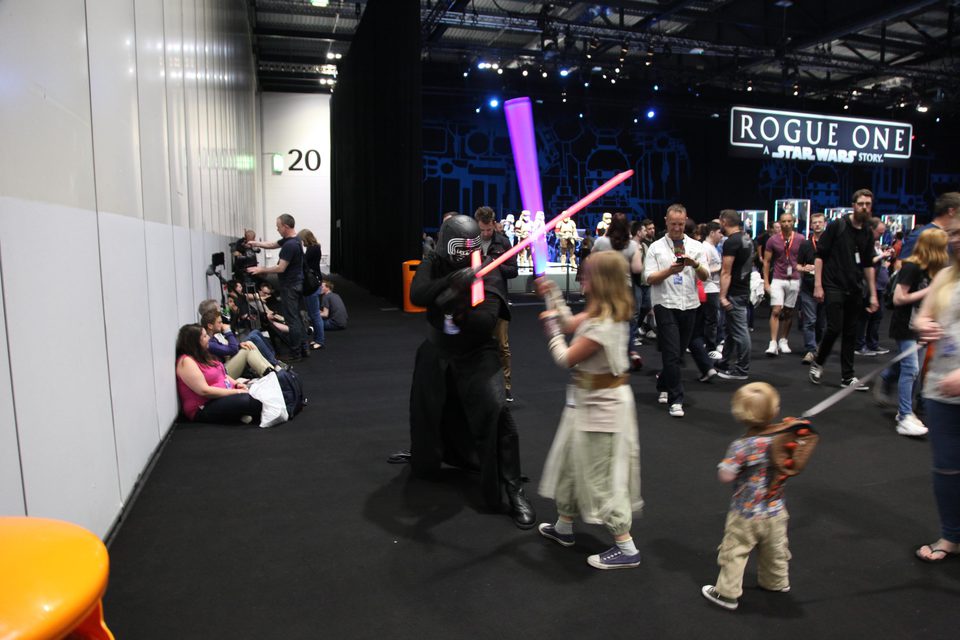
{"x":267,"y":390}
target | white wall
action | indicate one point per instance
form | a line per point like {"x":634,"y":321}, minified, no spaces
{"x":298,"y":121}
{"x":128,"y":159}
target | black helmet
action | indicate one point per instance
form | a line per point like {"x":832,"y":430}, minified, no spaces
{"x":459,"y":237}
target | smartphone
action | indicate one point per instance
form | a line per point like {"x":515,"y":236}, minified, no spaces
{"x":679,"y":259}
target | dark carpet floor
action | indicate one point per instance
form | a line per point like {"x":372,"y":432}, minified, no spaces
{"x":304,"y":531}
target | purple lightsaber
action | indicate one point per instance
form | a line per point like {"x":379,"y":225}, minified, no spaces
{"x":519,"y":114}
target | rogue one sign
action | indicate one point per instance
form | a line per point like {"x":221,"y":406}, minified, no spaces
{"x":789,"y":135}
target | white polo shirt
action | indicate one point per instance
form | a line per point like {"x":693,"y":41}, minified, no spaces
{"x":678,"y":291}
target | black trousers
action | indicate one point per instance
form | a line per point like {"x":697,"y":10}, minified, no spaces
{"x":674,"y":329}
{"x":843,"y":312}
{"x":229,"y":409}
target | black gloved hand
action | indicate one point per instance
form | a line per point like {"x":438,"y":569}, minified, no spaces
{"x":461,"y":279}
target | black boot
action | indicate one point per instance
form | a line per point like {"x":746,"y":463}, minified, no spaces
{"x":521,"y":509}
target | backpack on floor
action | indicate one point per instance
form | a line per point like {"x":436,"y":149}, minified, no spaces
{"x":292,"y":391}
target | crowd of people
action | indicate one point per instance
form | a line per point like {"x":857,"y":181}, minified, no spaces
{"x":693,"y":290}
{"x":257,"y":321}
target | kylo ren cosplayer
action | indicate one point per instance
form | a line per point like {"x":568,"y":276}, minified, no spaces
{"x":458,"y":412}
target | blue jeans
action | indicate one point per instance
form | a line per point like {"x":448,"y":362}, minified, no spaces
{"x":812,"y":321}
{"x":312,"y":303}
{"x":943,"y":420}
{"x":736,"y":347}
{"x":263,"y":345}
{"x":906,"y":372}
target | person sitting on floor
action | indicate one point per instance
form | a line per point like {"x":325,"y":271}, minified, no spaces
{"x":332,"y":309}
{"x":260,"y":341}
{"x":207,"y":393}
{"x":236,"y":355}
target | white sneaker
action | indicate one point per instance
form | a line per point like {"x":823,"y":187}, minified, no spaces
{"x":854,"y":382}
{"x":910,"y":425}
{"x":676,"y":410}
{"x":715,"y":355}
{"x":772,"y":349}
{"x":816,"y":372}
{"x":784,"y":347}
{"x":663,"y":398}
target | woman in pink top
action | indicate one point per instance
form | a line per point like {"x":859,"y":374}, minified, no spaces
{"x":207,"y":393}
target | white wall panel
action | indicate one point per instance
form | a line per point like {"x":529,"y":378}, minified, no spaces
{"x":190,"y":99}
{"x":302,"y":122}
{"x":199,"y":260}
{"x":11,"y":481}
{"x":152,"y":112}
{"x":127,"y":315}
{"x":66,"y":441}
{"x":113,"y":95}
{"x":183,"y":264}
{"x":164,"y":320}
{"x":45,"y":103}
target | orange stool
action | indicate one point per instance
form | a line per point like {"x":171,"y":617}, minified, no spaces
{"x":410,"y":270}
{"x":52,"y":577}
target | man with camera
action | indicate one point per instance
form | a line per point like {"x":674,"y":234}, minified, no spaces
{"x":289,"y":270}
{"x":244,"y":255}
{"x":673,"y":265}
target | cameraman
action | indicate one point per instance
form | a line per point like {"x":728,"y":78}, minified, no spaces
{"x":244,"y":254}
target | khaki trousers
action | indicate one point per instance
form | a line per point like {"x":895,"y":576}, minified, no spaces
{"x":501,"y":332}
{"x":740,"y":536}
{"x":247,"y":358}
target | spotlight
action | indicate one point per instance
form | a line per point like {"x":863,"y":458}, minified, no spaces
{"x":331,"y":55}
{"x":846,"y":106}
{"x":613,"y":81}
{"x":651,"y":114}
{"x":922,"y":108}
{"x":543,"y":74}
{"x":494,"y":66}
{"x":616,"y":70}
{"x":477,"y":110}
{"x":796,"y":89}
{"x":494,"y":103}
{"x":465,"y":74}
{"x":524,"y":73}
{"x":749,"y":85}
{"x":636,"y":120}
{"x":581,"y":114}
{"x":656,"y":87}
{"x":586,"y":84}
{"x":499,"y":72}
{"x":564,"y":73}
{"x":938,"y":118}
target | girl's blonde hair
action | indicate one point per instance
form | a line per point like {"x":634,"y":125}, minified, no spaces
{"x":941,"y":292}
{"x":930,"y":252}
{"x":755,"y":404}
{"x":610,"y":296}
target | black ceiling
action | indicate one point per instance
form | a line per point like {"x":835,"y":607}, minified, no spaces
{"x":866,"y":53}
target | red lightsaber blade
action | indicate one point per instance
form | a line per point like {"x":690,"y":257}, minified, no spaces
{"x":596,"y":193}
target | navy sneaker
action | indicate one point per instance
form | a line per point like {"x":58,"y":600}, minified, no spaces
{"x":614,"y":558}
{"x":731,"y":375}
{"x":547,"y":530}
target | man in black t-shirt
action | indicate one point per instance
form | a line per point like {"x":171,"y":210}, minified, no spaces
{"x":289,"y":270}
{"x":737,"y":263}
{"x":844,"y":265}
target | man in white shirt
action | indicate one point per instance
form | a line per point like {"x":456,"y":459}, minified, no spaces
{"x":673,"y":265}
{"x":711,"y":311}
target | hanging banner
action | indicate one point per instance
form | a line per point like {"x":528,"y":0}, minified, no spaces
{"x":789,"y":135}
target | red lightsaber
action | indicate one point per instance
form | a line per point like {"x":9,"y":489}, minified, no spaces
{"x":596,"y":193}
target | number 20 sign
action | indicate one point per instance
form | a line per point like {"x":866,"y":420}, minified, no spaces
{"x":309,"y":159}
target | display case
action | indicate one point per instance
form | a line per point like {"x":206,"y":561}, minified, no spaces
{"x":832,"y":213}
{"x":800,"y":210}
{"x":754,"y":221}
{"x":902,"y":222}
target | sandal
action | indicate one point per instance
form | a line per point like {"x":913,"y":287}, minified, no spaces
{"x":933,"y":549}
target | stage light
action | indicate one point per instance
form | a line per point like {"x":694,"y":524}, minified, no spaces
{"x":331,"y":55}
{"x":922,"y":108}
{"x":499,"y":72}
{"x":465,"y":74}
{"x":749,"y":85}
{"x":494,"y":103}
{"x":846,"y":106}
{"x":651,"y":114}
{"x":581,"y":115}
{"x":636,"y":120}
{"x":524,"y":73}
{"x":543,"y":74}
{"x":656,"y":87}
{"x":586,"y":84}
{"x":477,"y":110}
{"x":616,"y":70}
{"x":564,"y":73}
{"x":494,"y":66}
{"x":796,"y":89}
{"x":613,"y":81}
{"x":320,"y":3}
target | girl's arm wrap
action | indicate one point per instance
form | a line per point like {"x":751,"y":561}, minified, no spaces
{"x":555,"y":302}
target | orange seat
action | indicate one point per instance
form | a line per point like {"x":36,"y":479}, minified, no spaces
{"x":52,"y":577}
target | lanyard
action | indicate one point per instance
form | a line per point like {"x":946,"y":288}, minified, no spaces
{"x":786,"y":253}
